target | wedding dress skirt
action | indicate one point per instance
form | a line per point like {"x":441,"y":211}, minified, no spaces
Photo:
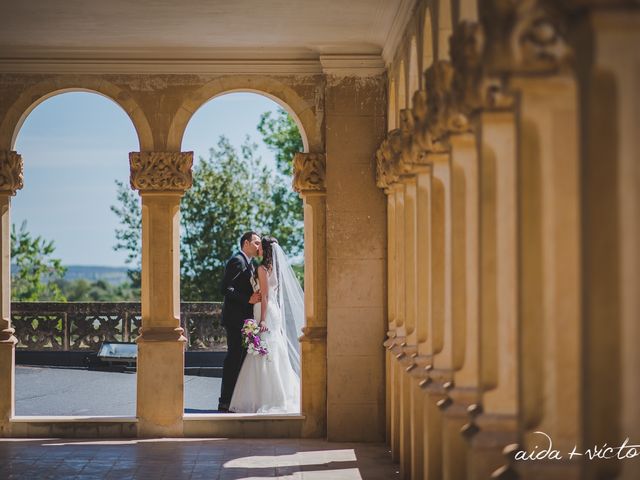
{"x":268,"y":383}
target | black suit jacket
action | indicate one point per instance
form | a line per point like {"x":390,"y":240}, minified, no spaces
{"x":237,"y":290}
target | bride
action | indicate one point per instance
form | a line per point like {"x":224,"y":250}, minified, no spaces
{"x":271,"y":383}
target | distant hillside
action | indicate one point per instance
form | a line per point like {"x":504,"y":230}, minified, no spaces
{"x":113,"y":275}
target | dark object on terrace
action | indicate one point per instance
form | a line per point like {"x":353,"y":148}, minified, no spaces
{"x":70,"y":334}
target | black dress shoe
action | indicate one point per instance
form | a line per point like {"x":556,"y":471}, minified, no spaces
{"x":223,"y":408}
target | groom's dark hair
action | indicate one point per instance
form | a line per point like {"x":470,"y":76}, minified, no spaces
{"x":247,"y":238}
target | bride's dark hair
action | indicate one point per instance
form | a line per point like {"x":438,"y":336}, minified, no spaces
{"x":267,"y":251}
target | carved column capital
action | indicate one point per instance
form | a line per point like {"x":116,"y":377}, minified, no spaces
{"x":388,"y":159}
{"x":11,"y":172}
{"x":442,"y":115}
{"x":309,"y":172}
{"x":528,"y":36}
{"x":161,"y":171}
{"x":473,"y":87}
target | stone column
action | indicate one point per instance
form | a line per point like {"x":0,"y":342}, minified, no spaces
{"x":422,"y":356}
{"x":465,"y":302}
{"x":610,"y":106}
{"x":401,"y":405}
{"x":391,"y":315}
{"x":409,"y":408}
{"x":395,"y":334}
{"x":161,"y":178}
{"x":309,"y":182}
{"x":550,"y":164}
{"x":499,"y":368}
{"x":438,"y":369}
{"x":11,"y":171}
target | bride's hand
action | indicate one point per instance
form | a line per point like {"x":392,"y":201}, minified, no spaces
{"x":263,"y":326}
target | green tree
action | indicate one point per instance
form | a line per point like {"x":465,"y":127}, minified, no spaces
{"x":82,"y":290}
{"x":233,"y":191}
{"x":129,"y":211}
{"x":281,"y":134}
{"x":36,"y":271}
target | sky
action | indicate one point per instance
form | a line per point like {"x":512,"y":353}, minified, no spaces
{"x":75,"y":145}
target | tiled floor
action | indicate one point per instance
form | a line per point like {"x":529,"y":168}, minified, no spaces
{"x":222,"y":459}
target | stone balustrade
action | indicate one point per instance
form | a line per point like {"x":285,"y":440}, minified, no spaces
{"x":82,"y":326}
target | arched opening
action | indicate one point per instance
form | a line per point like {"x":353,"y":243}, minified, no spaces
{"x":75,"y":144}
{"x":414,"y":72}
{"x":465,"y":10}
{"x":402,"y":91}
{"x":427,"y":42}
{"x":391,"y":114}
{"x":243,"y":145}
{"x":445,"y":28}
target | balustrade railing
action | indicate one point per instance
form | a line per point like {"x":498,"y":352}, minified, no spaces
{"x":79,"y":326}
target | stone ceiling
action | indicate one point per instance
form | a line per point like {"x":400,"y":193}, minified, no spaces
{"x":197,"y":28}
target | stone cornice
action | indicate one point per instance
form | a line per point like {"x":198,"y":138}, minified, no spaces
{"x":160,"y":61}
{"x":161,"y":171}
{"x":399,"y":25}
{"x":309,"y":172}
{"x":11,"y":172}
{"x":352,"y":65}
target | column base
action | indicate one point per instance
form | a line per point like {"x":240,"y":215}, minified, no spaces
{"x":160,"y":388}
{"x":418,"y":399}
{"x":487,"y":443}
{"x":404,"y":366}
{"x":455,"y":417}
{"x":434,"y":388}
{"x":394,"y":351}
{"x":314,"y":386}
{"x":7,"y":384}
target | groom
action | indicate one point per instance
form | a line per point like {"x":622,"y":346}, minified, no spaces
{"x":239,"y":299}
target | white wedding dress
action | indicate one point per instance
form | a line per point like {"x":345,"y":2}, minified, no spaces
{"x":268,"y":383}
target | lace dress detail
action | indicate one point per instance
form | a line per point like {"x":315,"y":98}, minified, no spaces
{"x":268,"y":384}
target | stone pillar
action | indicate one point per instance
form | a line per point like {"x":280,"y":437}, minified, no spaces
{"x":161,"y":178}
{"x":438,"y":368}
{"x":395,"y":334}
{"x":401,"y":402}
{"x":610,"y":106}
{"x":409,"y":299}
{"x":389,"y":391}
{"x":11,"y":171}
{"x":422,"y":356}
{"x":465,"y":300}
{"x":499,"y":328}
{"x":355,"y":124}
{"x":551,"y":214}
{"x":309,"y":182}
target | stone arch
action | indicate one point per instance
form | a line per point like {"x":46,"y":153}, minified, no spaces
{"x":465,"y":10}
{"x":427,"y":41}
{"x":300,"y":110}
{"x":444,"y":29}
{"x":391,"y":113}
{"x":402,"y":91}
{"x":414,"y":71}
{"x":33,"y":96}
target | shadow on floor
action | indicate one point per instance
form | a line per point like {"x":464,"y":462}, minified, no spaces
{"x":222,"y":459}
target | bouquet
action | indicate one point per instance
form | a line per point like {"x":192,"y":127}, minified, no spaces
{"x":251,"y":338}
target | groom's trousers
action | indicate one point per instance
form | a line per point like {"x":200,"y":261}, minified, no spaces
{"x":232,"y":364}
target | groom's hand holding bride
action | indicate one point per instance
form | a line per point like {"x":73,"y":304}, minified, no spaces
{"x":256,"y":297}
